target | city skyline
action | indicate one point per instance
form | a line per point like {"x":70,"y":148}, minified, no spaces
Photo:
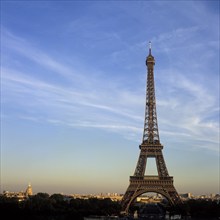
{"x":73,"y":87}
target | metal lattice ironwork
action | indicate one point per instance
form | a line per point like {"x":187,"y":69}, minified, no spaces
{"x":151,"y":134}
{"x":150,"y":147}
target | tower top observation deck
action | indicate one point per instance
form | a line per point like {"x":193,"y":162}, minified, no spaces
{"x":150,"y":61}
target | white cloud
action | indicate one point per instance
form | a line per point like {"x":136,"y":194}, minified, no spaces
{"x":183,"y":102}
{"x":66,"y":104}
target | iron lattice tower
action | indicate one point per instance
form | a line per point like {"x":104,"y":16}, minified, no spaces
{"x":150,"y":148}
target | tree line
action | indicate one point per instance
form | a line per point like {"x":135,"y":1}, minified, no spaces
{"x":55,"y":207}
{"x":44,"y":207}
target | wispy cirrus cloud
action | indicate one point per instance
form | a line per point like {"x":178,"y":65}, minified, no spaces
{"x":98,"y":103}
{"x":24,"y":48}
{"x":65,"y":105}
{"x":191,"y":111}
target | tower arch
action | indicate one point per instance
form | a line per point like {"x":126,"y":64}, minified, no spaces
{"x":143,"y":191}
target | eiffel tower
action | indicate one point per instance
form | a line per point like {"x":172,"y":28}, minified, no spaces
{"x":150,"y":148}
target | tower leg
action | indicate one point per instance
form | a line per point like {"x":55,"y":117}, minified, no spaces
{"x":127,"y":199}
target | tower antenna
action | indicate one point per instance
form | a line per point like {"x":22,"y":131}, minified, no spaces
{"x":149,"y":47}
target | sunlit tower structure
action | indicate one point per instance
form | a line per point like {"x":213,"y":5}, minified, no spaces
{"x":151,"y":147}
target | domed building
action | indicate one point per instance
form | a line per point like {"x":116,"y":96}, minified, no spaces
{"x":29,"y":191}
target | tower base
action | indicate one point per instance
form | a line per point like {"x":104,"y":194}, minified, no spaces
{"x":156,"y":184}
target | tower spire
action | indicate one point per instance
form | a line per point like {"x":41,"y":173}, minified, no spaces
{"x":149,"y":47}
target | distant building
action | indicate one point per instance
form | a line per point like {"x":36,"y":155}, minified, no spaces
{"x":19,"y":195}
{"x":186,"y":196}
{"x":112,"y":196}
{"x":29,"y":191}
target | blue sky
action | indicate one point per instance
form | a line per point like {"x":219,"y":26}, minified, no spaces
{"x":73,"y":81}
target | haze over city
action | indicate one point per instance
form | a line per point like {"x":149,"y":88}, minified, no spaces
{"x":73,"y":87}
